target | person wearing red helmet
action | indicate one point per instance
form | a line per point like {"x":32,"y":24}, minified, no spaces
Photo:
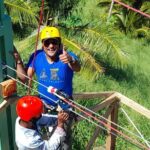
{"x":29,"y":110}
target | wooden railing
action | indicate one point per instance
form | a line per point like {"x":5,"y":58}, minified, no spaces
{"x":112,"y":102}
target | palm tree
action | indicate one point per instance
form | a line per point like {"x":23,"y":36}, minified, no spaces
{"x":93,"y":41}
{"x":129,"y":21}
{"x":21,"y":12}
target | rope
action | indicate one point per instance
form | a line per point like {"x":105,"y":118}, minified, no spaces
{"x":124,"y":136}
{"x":103,"y":123}
{"x":73,"y":102}
{"x":32,"y":89}
{"x":88,"y":119}
{"x":133,"y":9}
{"x":36,"y":45}
{"x":106,"y":119}
{"x":146,"y":142}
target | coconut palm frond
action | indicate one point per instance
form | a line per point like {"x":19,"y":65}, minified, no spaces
{"x":20,"y":13}
{"x":87,"y":59}
{"x":103,"y":43}
{"x":26,"y":47}
{"x":24,"y":44}
{"x":100,"y":45}
{"x":146,"y":7}
{"x":104,"y":3}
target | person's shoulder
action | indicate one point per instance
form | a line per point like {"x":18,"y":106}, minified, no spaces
{"x":35,"y":53}
{"x":39,"y":52}
{"x":17,"y":119}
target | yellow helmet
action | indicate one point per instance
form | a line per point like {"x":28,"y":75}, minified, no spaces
{"x":49,"y":32}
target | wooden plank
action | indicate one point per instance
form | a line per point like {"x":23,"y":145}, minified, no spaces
{"x":100,"y":106}
{"x":6,"y":102}
{"x":104,"y":103}
{"x":133,"y":105}
{"x":89,"y":95}
{"x":111,"y":139}
{"x":93,"y":138}
{"x":98,"y":129}
{"x":99,"y":148}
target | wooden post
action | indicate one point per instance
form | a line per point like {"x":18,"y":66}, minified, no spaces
{"x":108,"y":101}
{"x":111,"y":139}
{"x":98,"y":129}
{"x":7,"y":138}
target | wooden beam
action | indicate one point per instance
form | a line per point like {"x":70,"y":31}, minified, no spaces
{"x":6,"y":102}
{"x":111,"y":139}
{"x":98,"y":129}
{"x":89,"y":95}
{"x":123,"y":99}
{"x":100,"y":106}
{"x":133,"y":105}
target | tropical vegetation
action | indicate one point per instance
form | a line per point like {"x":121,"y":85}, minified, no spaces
{"x":114,"y":51}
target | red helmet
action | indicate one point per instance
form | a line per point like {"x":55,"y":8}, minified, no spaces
{"x":29,"y":107}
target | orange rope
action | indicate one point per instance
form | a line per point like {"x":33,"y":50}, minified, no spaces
{"x":36,"y":45}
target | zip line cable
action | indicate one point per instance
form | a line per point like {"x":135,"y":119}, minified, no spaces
{"x":74,"y":102}
{"x":146,"y":142}
{"x":82,"y":107}
{"x":85,"y":112}
{"x":103,"y":123}
{"x":77,"y":104}
{"x":134,"y":142}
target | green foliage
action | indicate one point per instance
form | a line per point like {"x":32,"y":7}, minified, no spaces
{"x":133,"y":83}
{"x":20,"y":12}
{"x":127,"y":20}
{"x":143,"y":32}
{"x":101,"y":47}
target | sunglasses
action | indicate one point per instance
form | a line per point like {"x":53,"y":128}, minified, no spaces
{"x":51,"y":41}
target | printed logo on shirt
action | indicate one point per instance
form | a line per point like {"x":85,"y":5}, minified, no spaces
{"x":43,"y":74}
{"x":54,"y":74}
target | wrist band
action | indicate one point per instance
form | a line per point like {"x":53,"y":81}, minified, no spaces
{"x":18,"y":62}
{"x":72,"y":61}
